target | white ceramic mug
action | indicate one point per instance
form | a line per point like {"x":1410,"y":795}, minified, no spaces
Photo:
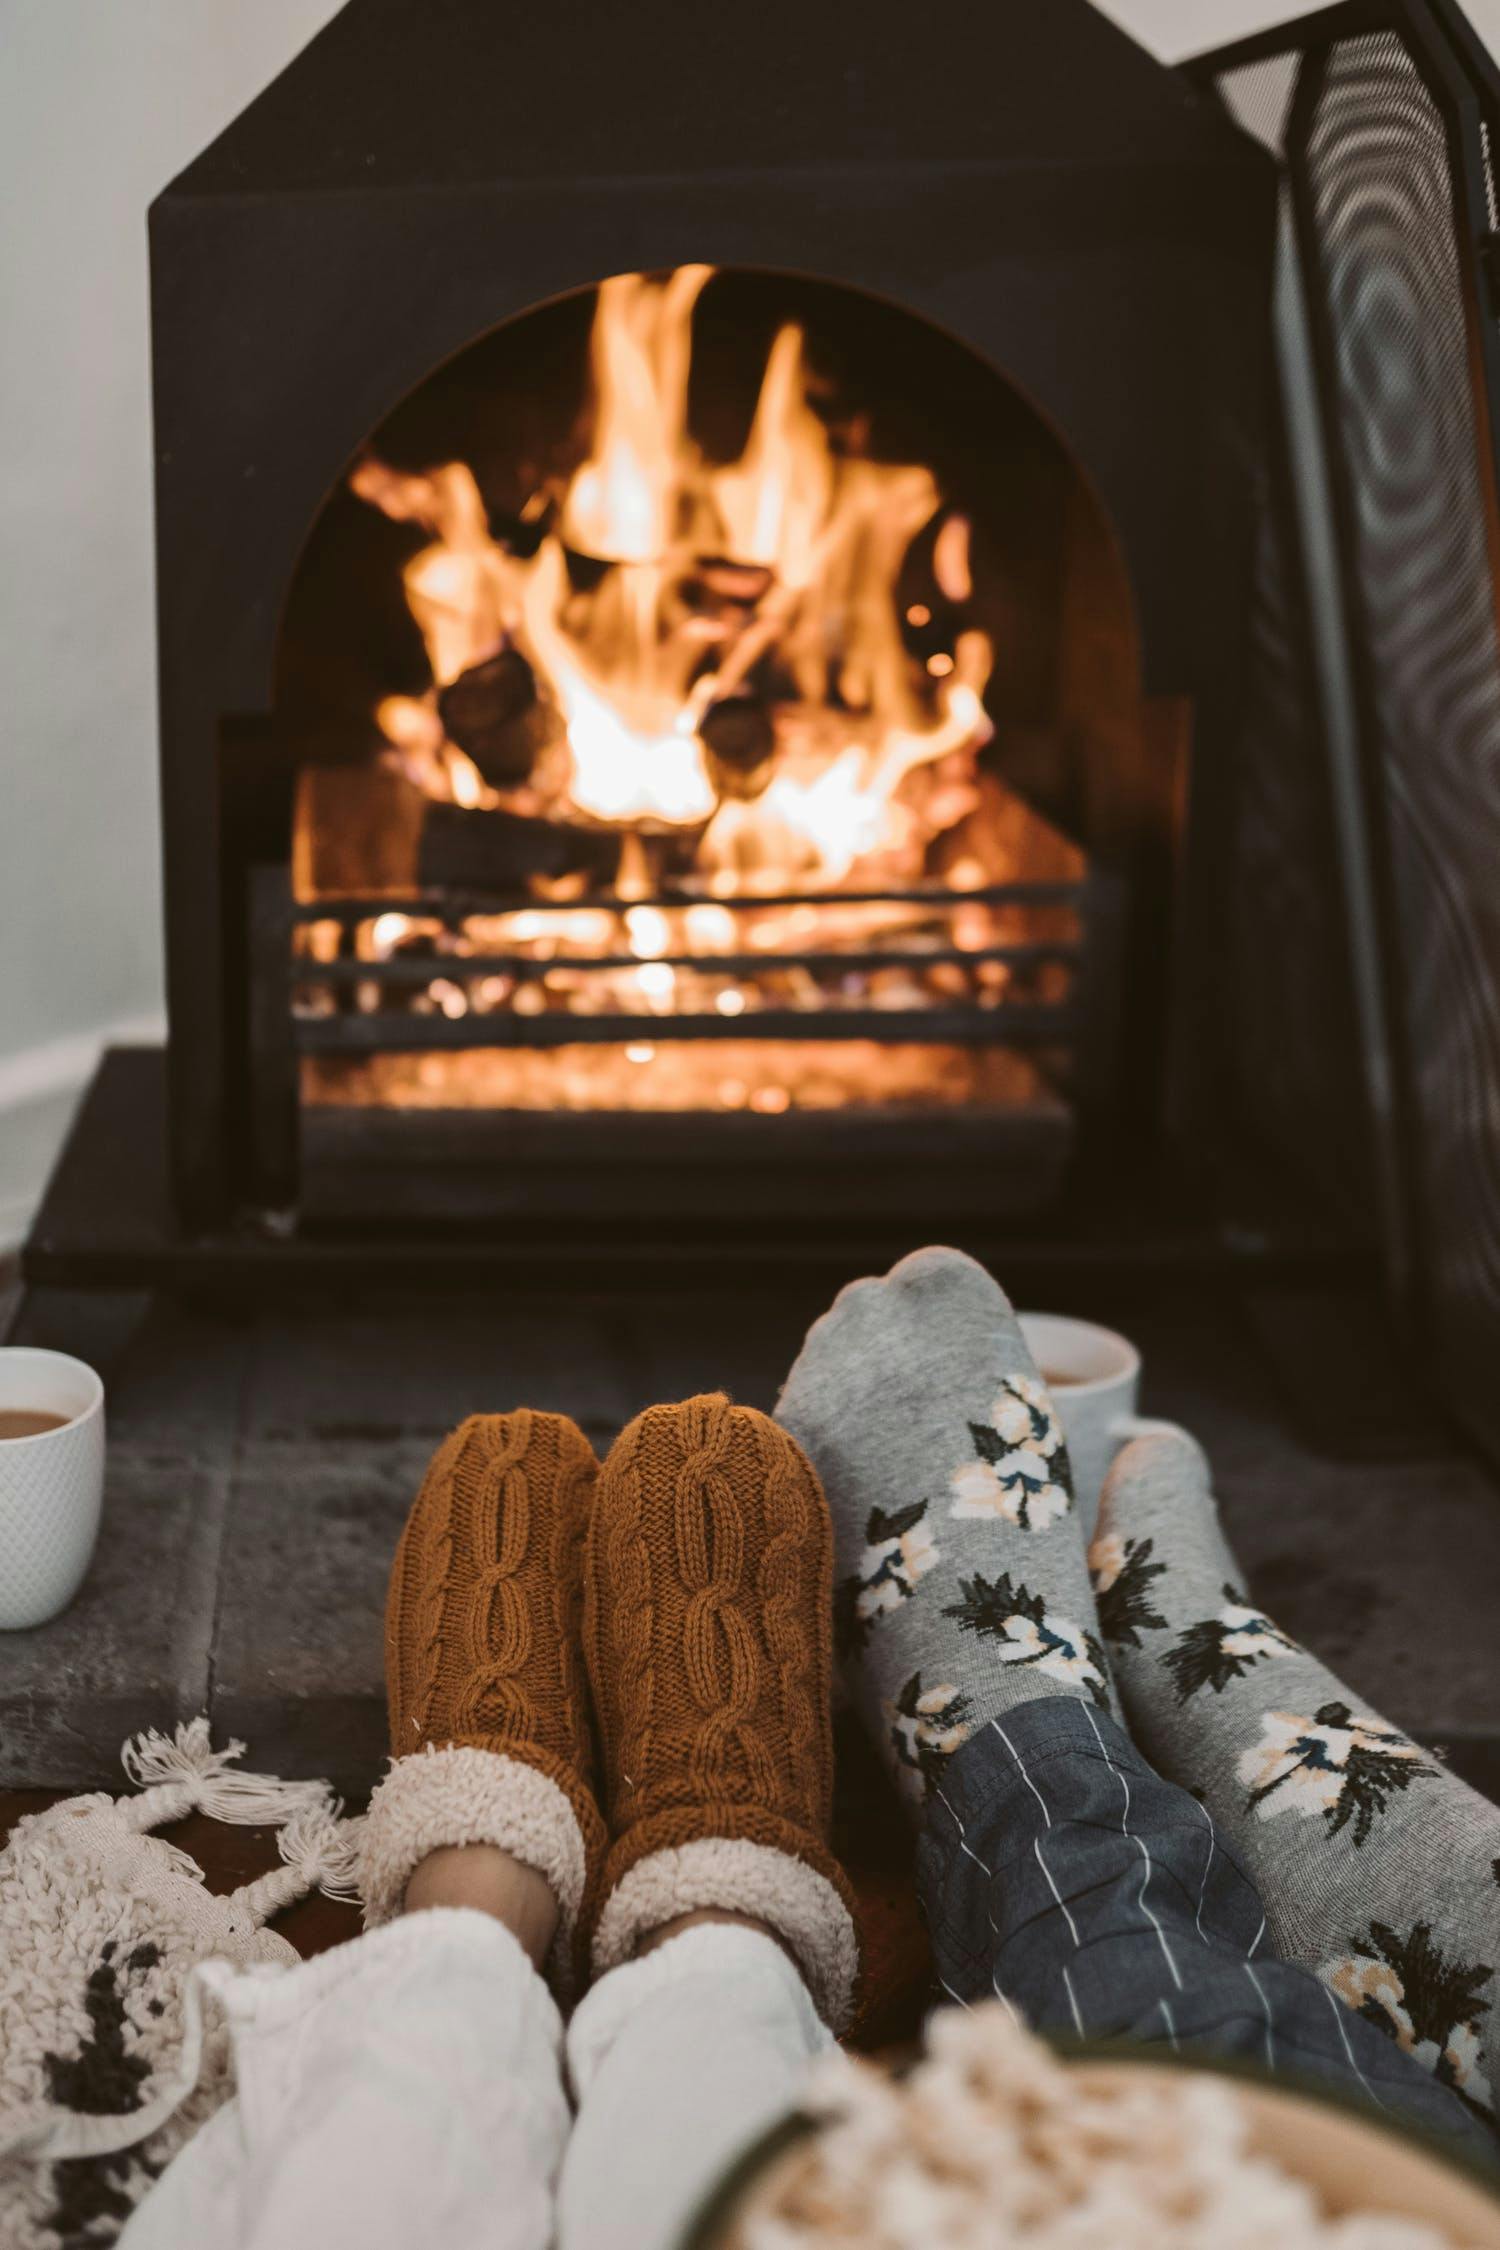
{"x":51,"y":1484}
{"x":1094,"y":1376}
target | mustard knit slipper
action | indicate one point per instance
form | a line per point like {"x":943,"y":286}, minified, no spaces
{"x":490,"y":1739}
{"x":707,"y":1626}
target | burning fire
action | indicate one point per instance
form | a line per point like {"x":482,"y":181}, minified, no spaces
{"x":721,"y":693}
{"x":731,"y":661}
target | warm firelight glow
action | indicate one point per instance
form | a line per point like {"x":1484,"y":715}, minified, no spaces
{"x":635,"y":666}
{"x":757,"y":680}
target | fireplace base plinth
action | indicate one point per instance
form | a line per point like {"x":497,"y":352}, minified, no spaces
{"x":984,"y":1160}
{"x":107,"y":1221}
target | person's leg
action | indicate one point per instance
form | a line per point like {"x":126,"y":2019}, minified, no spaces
{"x":1058,"y":1872}
{"x":962,"y":1589}
{"x":707,"y":1628}
{"x":678,"y":2060}
{"x":1377,"y":1868}
{"x":491,"y":1740}
{"x":410,"y":2083}
{"x":962,"y":1574}
{"x":403,"y":2087}
{"x":722,"y":1934}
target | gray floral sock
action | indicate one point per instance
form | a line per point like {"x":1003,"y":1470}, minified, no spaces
{"x":1376,"y":1867}
{"x":961,"y":1588}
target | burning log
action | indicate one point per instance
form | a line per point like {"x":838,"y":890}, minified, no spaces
{"x":740,"y":738}
{"x":501,"y":851}
{"x":366,"y":831}
{"x":495,"y":716}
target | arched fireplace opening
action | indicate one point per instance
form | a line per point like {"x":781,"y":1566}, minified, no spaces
{"x":711,"y":699}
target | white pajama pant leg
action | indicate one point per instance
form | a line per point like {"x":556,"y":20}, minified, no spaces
{"x":678,"y":2061}
{"x":408,"y":2088}
{"x":400,"y":2090}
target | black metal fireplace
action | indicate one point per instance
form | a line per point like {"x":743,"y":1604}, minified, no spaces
{"x":740,"y":742}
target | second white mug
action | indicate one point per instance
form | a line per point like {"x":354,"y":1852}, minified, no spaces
{"x":1094,"y":1375}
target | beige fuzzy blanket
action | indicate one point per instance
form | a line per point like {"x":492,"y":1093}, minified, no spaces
{"x":108,"y":2059}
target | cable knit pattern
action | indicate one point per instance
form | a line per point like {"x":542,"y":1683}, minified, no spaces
{"x":422,"y":1560}
{"x":627,"y":1561}
{"x":720,"y":1646}
{"x":790,"y":1524}
{"x":482,"y":1630}
{"x":565,"y":1573}
{"x":498,"y":1634}
{"x":707,"y":1605}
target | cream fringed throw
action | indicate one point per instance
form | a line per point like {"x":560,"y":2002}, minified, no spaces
{"x":110,"y":2058}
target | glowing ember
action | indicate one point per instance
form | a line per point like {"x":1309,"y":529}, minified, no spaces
{"x":679,"y":1076}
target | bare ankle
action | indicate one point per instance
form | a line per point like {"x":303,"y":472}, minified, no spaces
{"x":489,"y":1880}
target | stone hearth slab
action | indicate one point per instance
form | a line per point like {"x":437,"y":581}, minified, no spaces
{"x":134,"y":1648}
{"x":260,"y":1468}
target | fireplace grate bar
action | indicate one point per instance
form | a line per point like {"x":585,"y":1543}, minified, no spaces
{"x":452,"y":906}
{"x":421,"y":969}
{"x":1038,"y":1024}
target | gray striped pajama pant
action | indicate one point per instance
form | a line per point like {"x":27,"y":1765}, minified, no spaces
{"x":1058,"y":1872}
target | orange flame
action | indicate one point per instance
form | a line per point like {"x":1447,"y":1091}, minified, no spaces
{"x":634,"y":666}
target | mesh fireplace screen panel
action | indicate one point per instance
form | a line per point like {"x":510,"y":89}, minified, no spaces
{"x":1408,"y":414}
{"x":1384,"y":117}
{"x":1293,"y":1061}
{"x":1292,"y":994}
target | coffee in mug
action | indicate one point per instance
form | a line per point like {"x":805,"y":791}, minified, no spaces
{"x":51,"y":1481}
{"x":29,"y":1421}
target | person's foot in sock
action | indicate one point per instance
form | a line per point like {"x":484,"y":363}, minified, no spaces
{"x":961,"y":1588}
{"x":1377,"y":1868}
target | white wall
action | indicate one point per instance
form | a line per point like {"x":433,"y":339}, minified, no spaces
{"x":101,"y":102}
{"x":1175,"y":29}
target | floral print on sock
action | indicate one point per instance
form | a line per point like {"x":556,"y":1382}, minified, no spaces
{"x":1020,"y":1467}
{"x":1223,"y":1647}
{"x":1122,"y":1571}
{"x":899,"y":1551}
{"x":1427,"y":2002}
{"x":927,"y":1725}
{"x":1024,"y":1632}
{"x":1341,"y":1765}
